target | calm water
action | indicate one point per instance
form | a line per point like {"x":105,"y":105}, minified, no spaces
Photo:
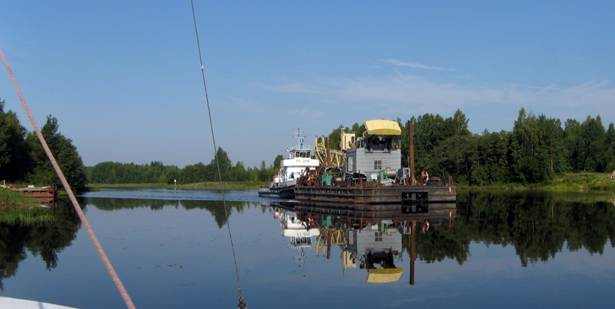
{"x":172,"y":250}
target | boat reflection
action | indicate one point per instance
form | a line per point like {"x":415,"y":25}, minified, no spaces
{"x":370,"y":241}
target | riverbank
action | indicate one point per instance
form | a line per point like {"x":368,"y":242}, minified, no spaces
{"x":208,"y":185}
{"x":18,"y":209}
{"x":563,"y":183}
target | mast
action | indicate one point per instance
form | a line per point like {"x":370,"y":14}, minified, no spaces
{"x":411,"y":153}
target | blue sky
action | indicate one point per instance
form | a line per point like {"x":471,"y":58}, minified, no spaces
{"x":122,"y":76}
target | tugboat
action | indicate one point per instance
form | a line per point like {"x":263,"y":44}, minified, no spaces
{"x":300,"y":160}
{"x":372,"y":176}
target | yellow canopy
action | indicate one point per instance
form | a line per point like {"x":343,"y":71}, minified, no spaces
{"x":382,"y":127}
{"x":384,"y":275}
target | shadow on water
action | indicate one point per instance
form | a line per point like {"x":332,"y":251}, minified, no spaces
{"x":45,"y":239}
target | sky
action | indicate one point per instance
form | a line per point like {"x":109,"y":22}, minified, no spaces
{"x":123,"y":76}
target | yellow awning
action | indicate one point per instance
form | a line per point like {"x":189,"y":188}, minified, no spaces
{"x":384,"y":275}
{"x":382,"y":127}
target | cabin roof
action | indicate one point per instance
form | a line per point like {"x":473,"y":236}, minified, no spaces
{"x":384,"y":275}
{"x":382,"y":127}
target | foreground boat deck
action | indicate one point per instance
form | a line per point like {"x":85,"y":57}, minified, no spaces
{"x":15,"y":303}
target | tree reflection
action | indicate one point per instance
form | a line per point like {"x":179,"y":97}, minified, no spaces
{"x":215,"y":208}
{"x":45,"y":240}
{"x":537,"y":225}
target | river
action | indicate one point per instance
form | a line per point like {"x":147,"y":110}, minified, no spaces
{"x":171,"y":249}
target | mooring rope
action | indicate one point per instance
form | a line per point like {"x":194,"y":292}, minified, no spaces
{"x":241,"y":301}
{"x":84,"y":220}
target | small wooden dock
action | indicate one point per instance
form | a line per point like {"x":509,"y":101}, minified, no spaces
{"x":44,"y":195}
{"x":375,"y":197}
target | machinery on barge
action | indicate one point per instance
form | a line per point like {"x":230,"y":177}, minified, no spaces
{"x":372,"y":174}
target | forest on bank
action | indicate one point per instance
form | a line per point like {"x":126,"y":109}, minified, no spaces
{"x":22,"y":159}
{"x":537,"y":148}
{"x":157,"y":172}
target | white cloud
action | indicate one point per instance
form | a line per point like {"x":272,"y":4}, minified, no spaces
{"x":410,"y":92}
{"x":413,"y":65}
{"x":305,"y":112}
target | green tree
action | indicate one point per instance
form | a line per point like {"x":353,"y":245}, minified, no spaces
{"x":277,"y":162}
{"x":537,"y":149}
{"x":65,"y":153}
{"x":14,"y":157}
{"x":573,"y":142}
{"x":610,"y":148}
{"x":593,"y":143}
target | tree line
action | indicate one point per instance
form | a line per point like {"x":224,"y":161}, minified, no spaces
{"x":537,"y":148}
{"x":22,"y":159}
{"x":157,"y":172}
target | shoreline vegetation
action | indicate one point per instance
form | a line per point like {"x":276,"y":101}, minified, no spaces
{"x":540,"y":153}
{"x":564,"y":183}
{"x":207,"y":185}
{"x":18,"y":209}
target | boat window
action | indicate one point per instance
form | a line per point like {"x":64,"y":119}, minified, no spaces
{"x":378,"y":164}
{"x":378,"y":236}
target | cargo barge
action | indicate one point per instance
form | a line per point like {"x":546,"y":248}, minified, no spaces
{"x":366,"y":195}
{"x":372,"y":174}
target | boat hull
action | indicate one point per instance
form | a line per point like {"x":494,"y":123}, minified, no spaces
{"x":284,"y":192}
{"x":354,"y":196}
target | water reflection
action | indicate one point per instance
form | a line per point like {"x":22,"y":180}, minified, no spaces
{"x":538,"y":226}
{"x":42,"y":239}
{"x":373,"y":242}
{"x":434,"y":248}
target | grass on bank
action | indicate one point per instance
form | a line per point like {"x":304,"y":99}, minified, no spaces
{"x":18,"y":209}
{"x":568,"y":182}
{"x":208,"y":185}
{"x":563,"y":183}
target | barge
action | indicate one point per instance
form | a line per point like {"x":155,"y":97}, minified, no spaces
{"x":372,"y":174}
{"x":374,"y":195}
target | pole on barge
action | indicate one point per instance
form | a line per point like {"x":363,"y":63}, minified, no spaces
{"x":412,"y":251}
{"x":411,"y":153}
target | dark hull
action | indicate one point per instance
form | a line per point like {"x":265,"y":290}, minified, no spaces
{"x":286,"y":192}
{"x":370,"y":197}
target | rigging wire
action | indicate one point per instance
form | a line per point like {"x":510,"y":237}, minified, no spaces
{"x":241,"y":301}
{"x":84,"y":220}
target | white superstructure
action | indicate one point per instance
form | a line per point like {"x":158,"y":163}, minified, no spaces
{"x":299,"y":160}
